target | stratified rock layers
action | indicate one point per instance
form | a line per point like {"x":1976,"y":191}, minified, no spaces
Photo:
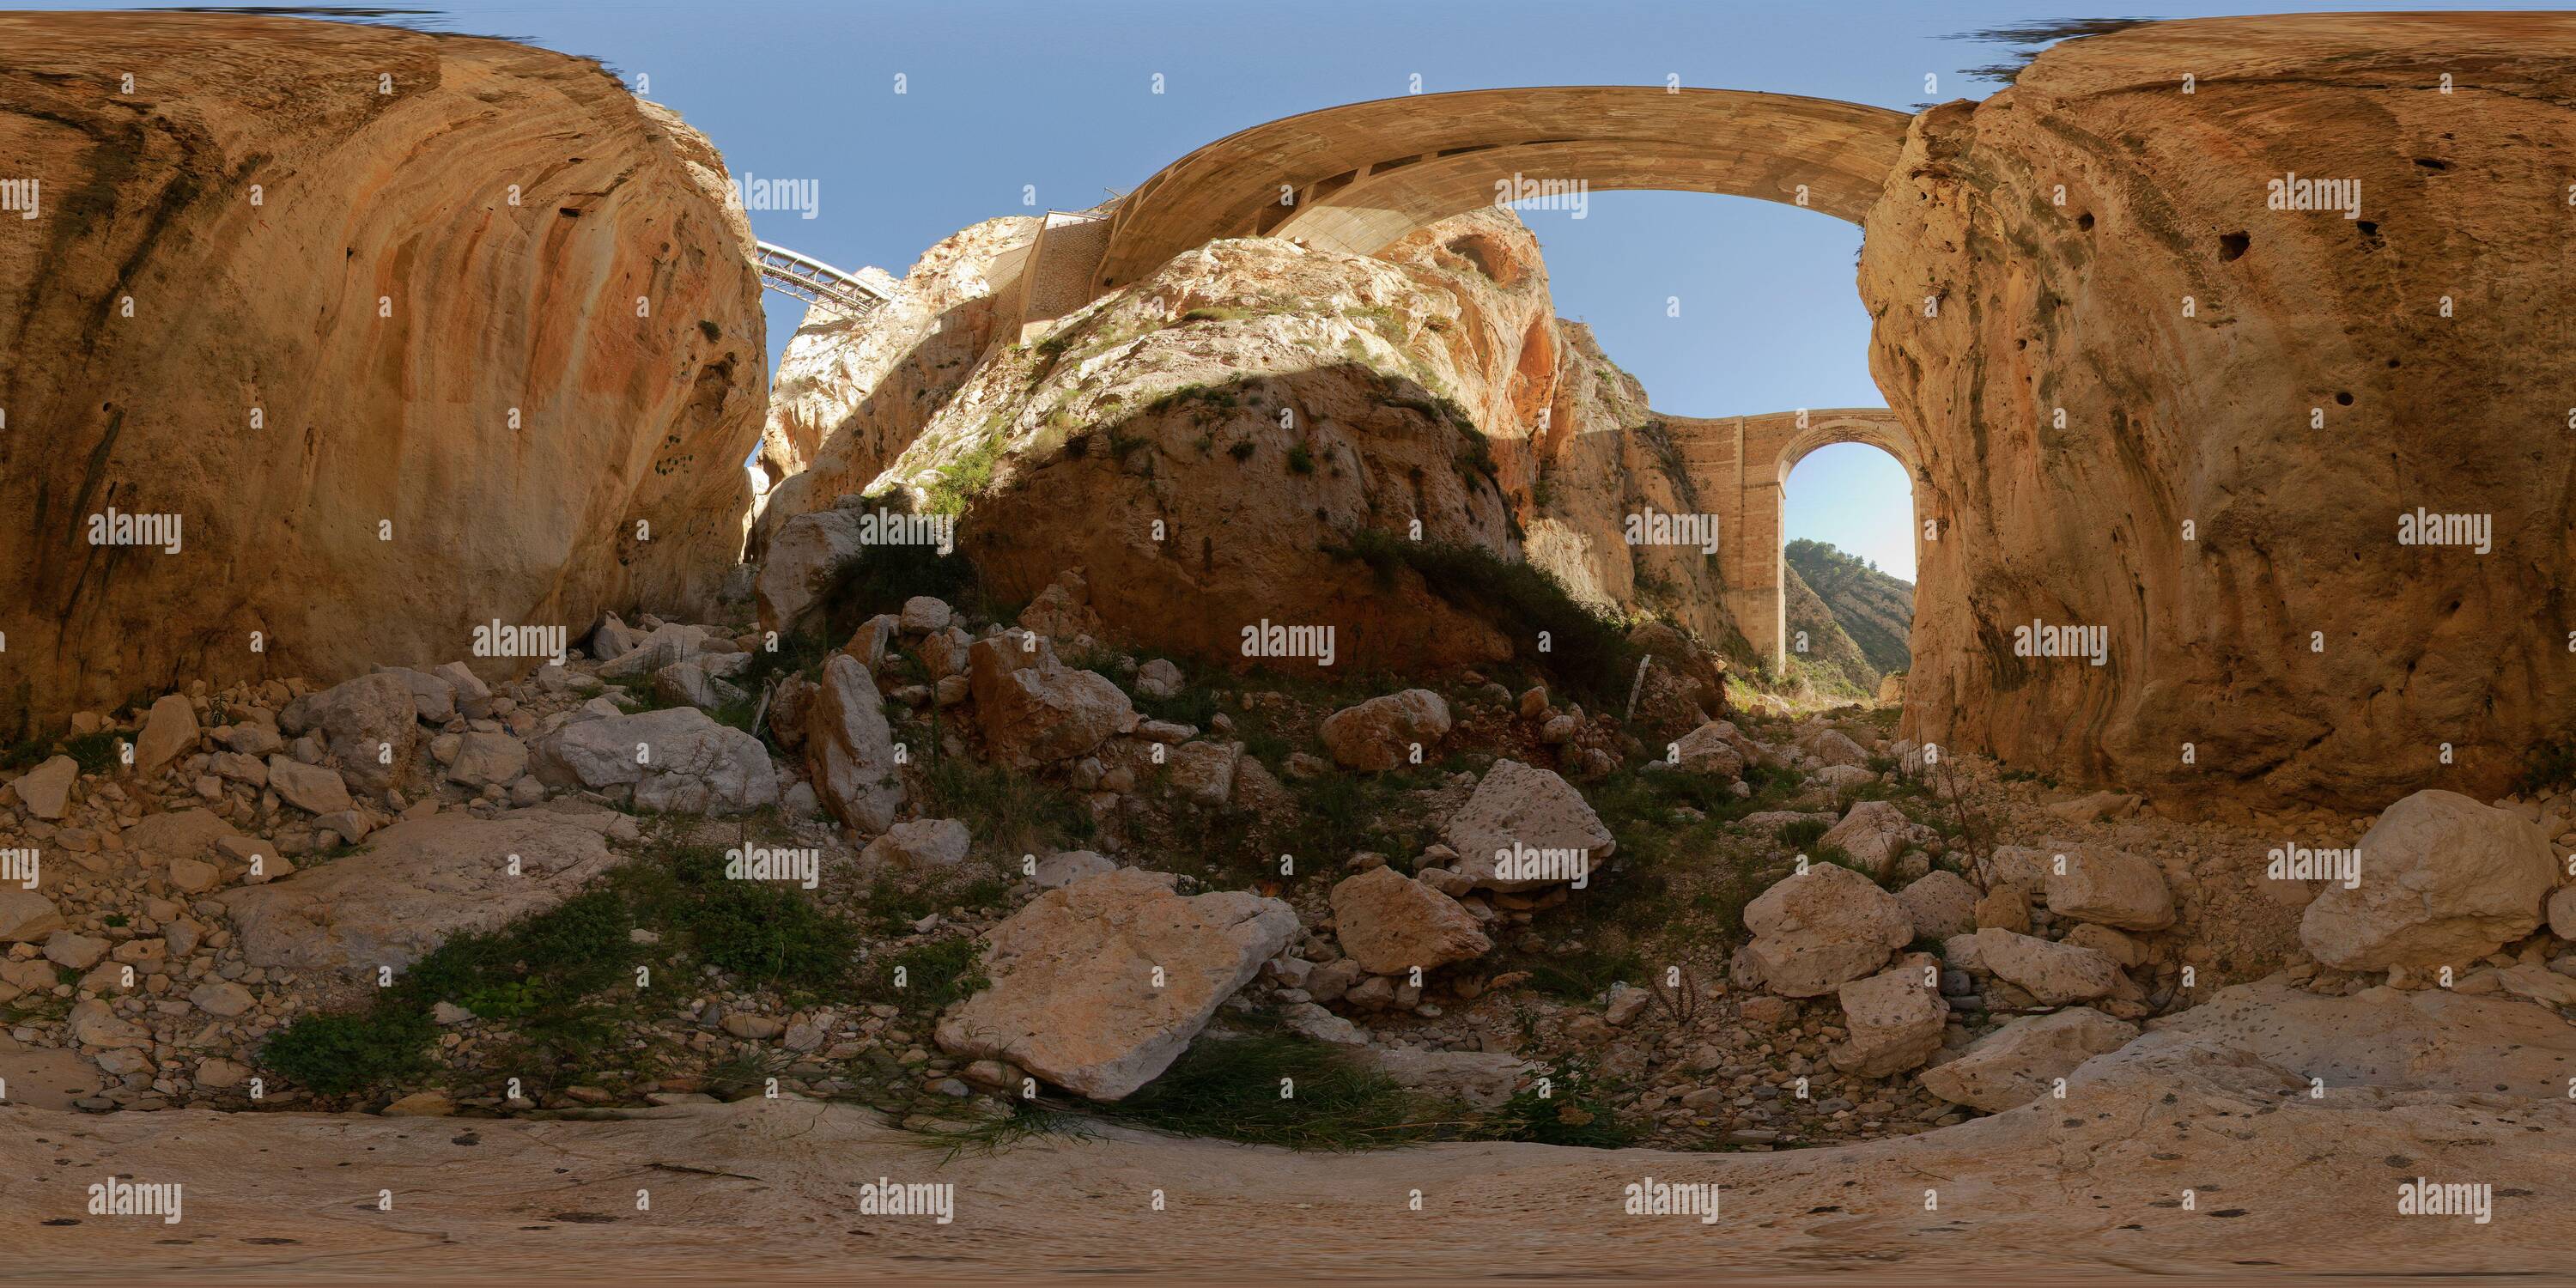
{"x":2286,"y":382}
{"x":424,"y":332}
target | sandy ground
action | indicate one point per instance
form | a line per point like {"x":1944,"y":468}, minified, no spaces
{"x":2284,"y":1185}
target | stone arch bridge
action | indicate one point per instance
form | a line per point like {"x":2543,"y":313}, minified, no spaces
{"x":1358,"y":178}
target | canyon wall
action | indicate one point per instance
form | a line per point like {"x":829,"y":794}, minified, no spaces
{"x":2253,"y":398}
{"x":409,"y":332}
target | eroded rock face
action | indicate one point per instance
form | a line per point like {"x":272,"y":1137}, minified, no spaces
{"x":385,"y":374}
{"x":853,"y":393}
{"x":1074,"y":997}
{"x":2444,"y":880}
{"x":2283,"y":382}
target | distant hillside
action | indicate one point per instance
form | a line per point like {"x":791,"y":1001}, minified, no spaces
{"x":1818,"y":646}
{"x":1874,"y":611}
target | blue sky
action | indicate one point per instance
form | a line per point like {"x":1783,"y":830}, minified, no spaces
{"x":1058,"y":97}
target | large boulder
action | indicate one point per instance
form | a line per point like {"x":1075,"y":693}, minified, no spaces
{"x":369,"y":726}
{"x":849,"y":748}
{"x":437,"y":382}
{"x":2023,"y":1060}
{"x":1874,"y":833}
{"x":484,"y":759}
{"x":1519,"y":815}
{"x":669,"y":644}
{"x":677,"y":760}
{"x":1097,"y":987}
{"x":2056,"y":974}
{"x":1035,"y":710}
{"x":314,"y":789}
{"x":420,"y":882}
{"x":169,"y":731}
{"x":802,"y":556}
{"x":1387,"y":731}
{"x":46,"y":789}
{"x":2444,"y":880}
{"x":433,"y":697}
{"x":1713,"y":748}
{"x":1822,"y":928}
{"x":26,"y":916}
{"x":1390,"y":923}
{"x":1940,"y":903}
{"x":2111,"y":888}
{"x":1894,"y":1018}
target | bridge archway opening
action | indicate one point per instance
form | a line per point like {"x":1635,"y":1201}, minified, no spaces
{"x":1848,"y":510}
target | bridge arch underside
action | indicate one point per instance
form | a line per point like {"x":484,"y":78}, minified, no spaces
{"x":1741,"y":465}
{"x":1360,"y":177}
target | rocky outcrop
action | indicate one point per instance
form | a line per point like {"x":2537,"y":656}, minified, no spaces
{"x":488,"y":329}
{"x":1097,"y":987}
{"x":2054,"y":973}
{"x":1894,"y":1019}
{"x":2169,"y":408}
{"x":1823,"y":652}
{"x":849,"y":747}
{"x":1034,"y":709}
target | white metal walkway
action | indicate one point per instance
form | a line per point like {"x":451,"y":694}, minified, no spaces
{"x":815,"y":282}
